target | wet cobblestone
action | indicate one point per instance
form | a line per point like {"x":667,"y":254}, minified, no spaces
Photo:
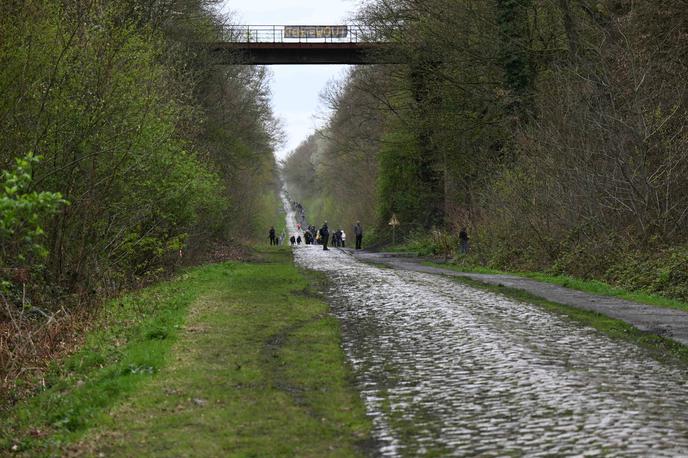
{"x":445,"y":369}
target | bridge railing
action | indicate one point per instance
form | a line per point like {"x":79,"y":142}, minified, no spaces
{"x":348,"y":33}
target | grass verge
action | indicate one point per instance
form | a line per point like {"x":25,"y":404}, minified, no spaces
{"x":588,"y":286}
{"x":234,"y":359}
{"x":660,"y":348}
{"x":127,"y":347}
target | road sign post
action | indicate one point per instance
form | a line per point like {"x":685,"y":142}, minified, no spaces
{"x":394,"y":222}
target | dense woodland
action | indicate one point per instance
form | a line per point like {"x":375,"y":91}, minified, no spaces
{"x":125,"y":151}
{"x":554,"y":130}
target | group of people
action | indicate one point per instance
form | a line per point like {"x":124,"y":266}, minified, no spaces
{"x":272,"y":235}
{"x":299,"y":213}
{"x":311,"y":234}
{"x":322,"y":236}
{"x":314,"y":236}
{"x":339,"y":238}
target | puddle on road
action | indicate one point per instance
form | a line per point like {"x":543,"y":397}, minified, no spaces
{"x":447,"y":369}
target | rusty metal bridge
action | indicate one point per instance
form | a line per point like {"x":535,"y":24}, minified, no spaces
{"x":300,"y":44}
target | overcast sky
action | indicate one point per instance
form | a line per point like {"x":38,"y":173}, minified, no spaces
{"x":296,"y":88}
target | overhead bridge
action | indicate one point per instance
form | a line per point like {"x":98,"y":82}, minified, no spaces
{"x":301,"y":45}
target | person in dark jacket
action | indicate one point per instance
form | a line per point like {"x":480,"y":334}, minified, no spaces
{"x":463,"y":241}
{"x":298,"y":240}
{"x":271,"y":235}
{"x":358,"y":232}
{"x":324,"y":235}
{"x":292,"y":240}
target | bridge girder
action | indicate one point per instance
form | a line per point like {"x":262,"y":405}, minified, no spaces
{"x":232,"y":53}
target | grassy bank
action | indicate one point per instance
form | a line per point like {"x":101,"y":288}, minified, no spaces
{"x":128,"y":347}
{"x":229,"y":359}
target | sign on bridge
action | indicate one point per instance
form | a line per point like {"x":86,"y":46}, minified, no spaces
{"x":315,"y":31}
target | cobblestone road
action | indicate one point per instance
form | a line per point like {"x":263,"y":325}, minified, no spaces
{"x":445,"y":369}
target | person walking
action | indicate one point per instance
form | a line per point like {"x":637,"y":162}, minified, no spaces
{"x":358,"y":232}
{"x":271,"y":234}
{"x":343,"y":238}
{"x":292,"y":240}
{"x":324,"y":235}
{"x":298,"y":240}
{"x":463,"y":241}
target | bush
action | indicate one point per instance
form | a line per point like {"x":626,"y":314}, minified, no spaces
{"x":665,"y":272}
{"x":22,"y":216}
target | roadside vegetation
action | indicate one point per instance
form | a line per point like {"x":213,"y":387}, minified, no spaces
{"x":589,"y":286}
{"x":206,"y":364}
{"x":128,"y":344}
{"x":125,"y":153}
{"x":553,"y":130}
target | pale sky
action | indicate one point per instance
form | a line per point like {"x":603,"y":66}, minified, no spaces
{"x":296,"y":88}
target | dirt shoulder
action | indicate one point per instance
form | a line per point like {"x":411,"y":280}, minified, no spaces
{"x":665,"y":322}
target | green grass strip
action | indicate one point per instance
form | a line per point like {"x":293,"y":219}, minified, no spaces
{"x":235,"y":359}
{"x":588,"y":286}
{"x":133,"y":335}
